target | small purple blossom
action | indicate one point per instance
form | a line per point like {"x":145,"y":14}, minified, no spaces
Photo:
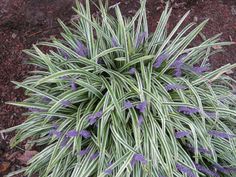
{"x":141,"y":38}
{"x":72,"y":133}
{"x":221,"y":134}
{"x":98,"y":114}
{"x":199,"y":69}
{"x":206,"y":170}
{"x":142,"y":106}
{"x":114,"y":42}
{"x":65,"y":103}
{"x":160,"y":59}
{"x":200,"y":149}
{"x":178,"y":63}
{"x":185,"y":170}
{"x":84,"y":151}
{"x":35,"y":110}
{"x":81,"y":49}
{"x":170,"y":87}
{"x":57,"y":133}
{"x":132,"y":71}
{"x":140,"y":120}
{"x":73,"y":86}
{"x":92,"y":119}
{"x":177,"y":72}
{"x":85,"y":134}
{"x":128,"y":105}
{"x":94,"y":156}
{"x":188,"y":110}
{"x":138,"y":158}
{"x":108,"y":171}
{"x":64,"y":54}
{"x":181,"y":134}
{"x":46,"y":99}
{"x":211,"y":114}
{"x":65,"y":141}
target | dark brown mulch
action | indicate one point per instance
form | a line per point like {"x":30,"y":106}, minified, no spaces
{"x":24,"y":22}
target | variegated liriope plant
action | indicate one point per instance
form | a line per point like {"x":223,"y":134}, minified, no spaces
{"x":111,"y":99}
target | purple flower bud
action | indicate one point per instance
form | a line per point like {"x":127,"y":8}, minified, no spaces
{"x":140,"y":120}
{"x":65,"y":141}
{"x":98,"y":114}
{"x":206,"y":170}
{"x":199,"y":69}
{"x":160,"y":59}
{"x":142,"y":106}
{"x":178,"y":63}
{"x":92,"y":119}
{"x":132,"y":71}
{"x":128,"y":105}
{"x":84,"y":151}
{"x":85,"y":134}
{"x":181,"y":134}
{"x":185,"y":170}
{"x":81,"y":49}
{"x":221,"y":134}
{"x":170,"y":87}
{"x":108,"y":171}
{"x":211,"y":114}
{"x":178,"y":72}
{"x":35,"y":110}
{"x":72,"y":133}
{"x":64,"y":54}
{"x":138,"y":158}
{"x":114,"y":42}
{"x":65,"y":103}
{"x":73,"y":86}
{"x":201,"y":150}
{"x":46,"y":99}
{"x":94,"y":156}
{"x":140,"y":39}
{"x":187,"y":110}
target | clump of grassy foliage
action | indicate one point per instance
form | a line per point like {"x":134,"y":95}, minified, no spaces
{"x":110,"y":98}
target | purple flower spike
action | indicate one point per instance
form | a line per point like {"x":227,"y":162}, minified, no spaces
{"x":200,"y":69}
{"x":73,"y":86}
{"x":187,"y":110}
{"x":81,"y":49}
{"x":114,"y":42}
{"x":128,"y":105}
{"x":185,"y":170}
{"x":65,"y":103}
{"x":138,"y":158}
{"x":132,"y":71}
{"x":85,"y":134}
{"x":221,"y":134}
{"x":140,"y":39}
{"x":160,"y":60}
{"x":181,"y":134}
{"x":142,"y":106}
{"x":108,"y":171}
{"x":140,"y":120}
{"x":72,"y":133}
{"x":225,"y":170}
{"x":170,"y":87}
{"x":206,"y":170}
{"x":94,"y":156}
{"x":84,"y":151}
{"x":57,"y":133}
{"x":211,"y":114}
